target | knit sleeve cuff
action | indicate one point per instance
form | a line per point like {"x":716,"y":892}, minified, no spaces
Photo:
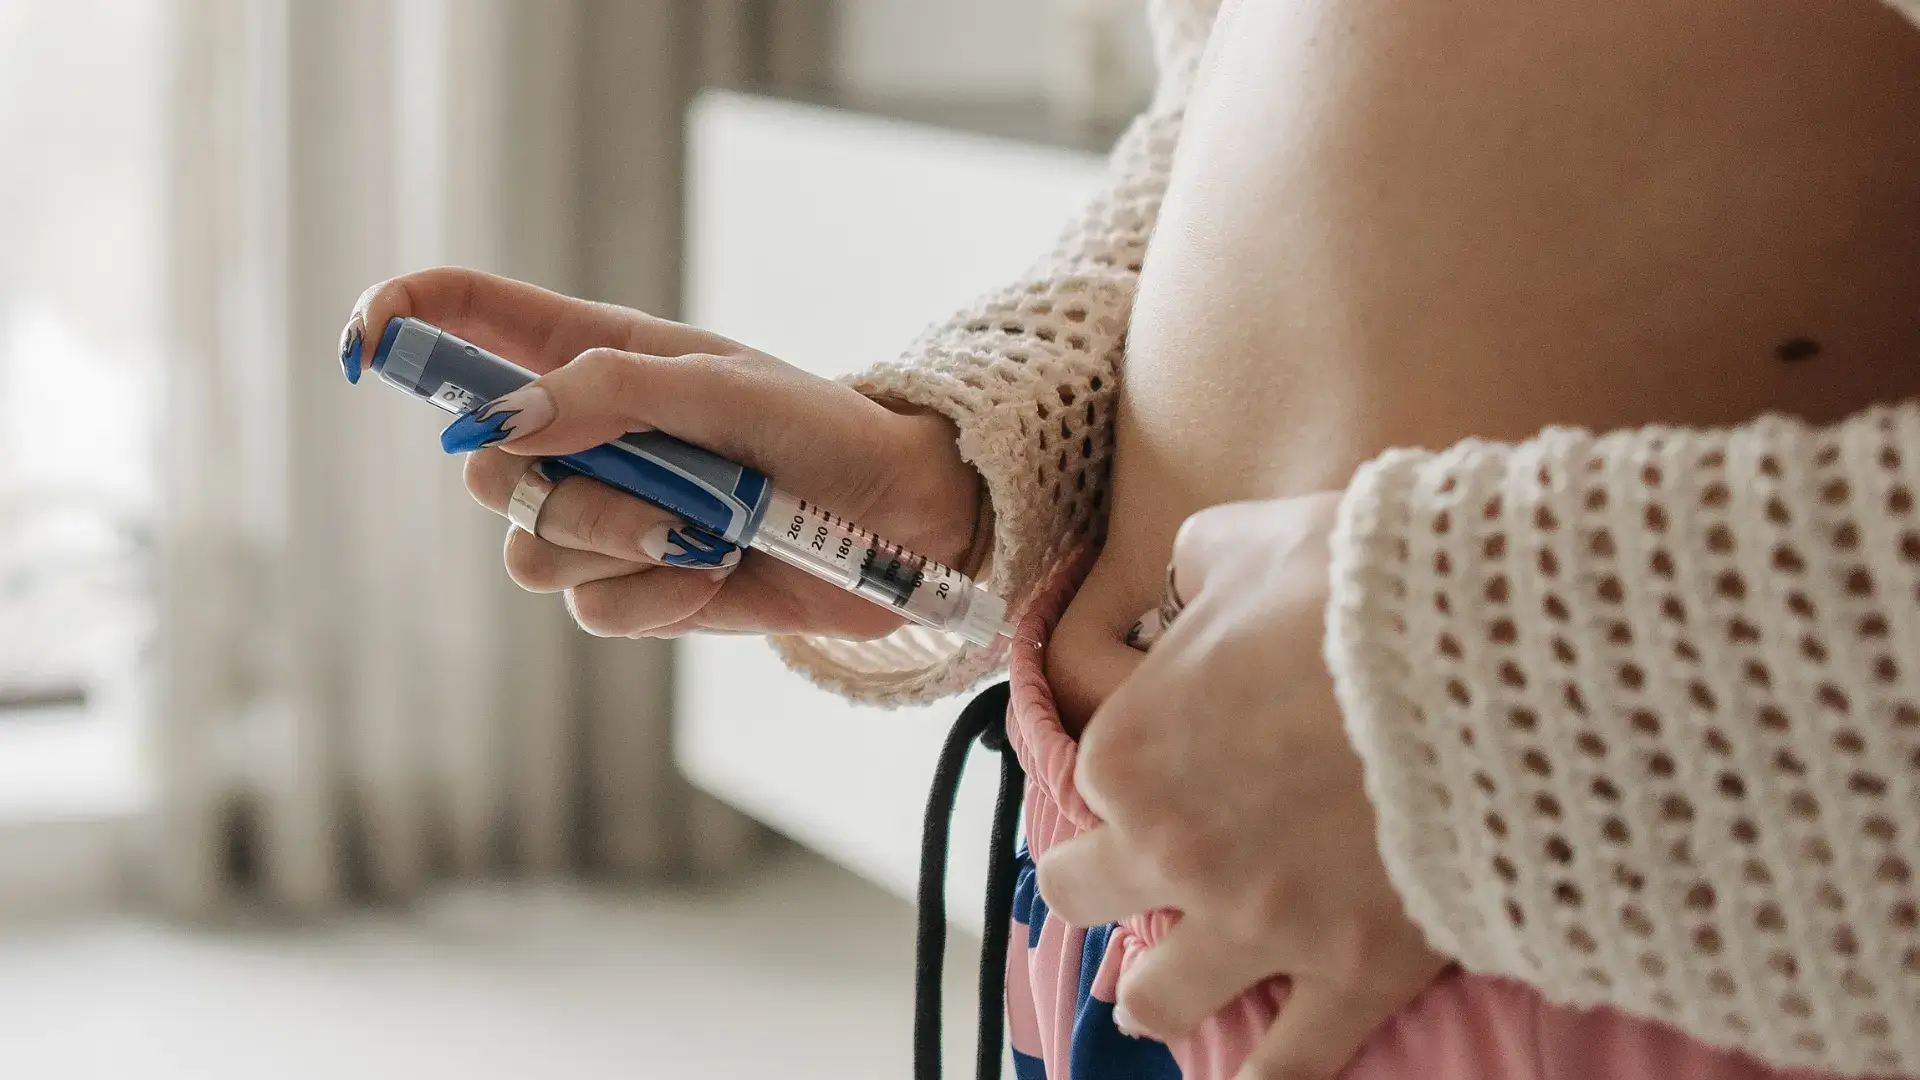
{"x":1641,"y":720}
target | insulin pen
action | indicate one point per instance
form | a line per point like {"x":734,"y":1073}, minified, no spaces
{"x":735,"y":504}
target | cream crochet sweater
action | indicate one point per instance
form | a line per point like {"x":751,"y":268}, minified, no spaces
{"x":1640,"y":713}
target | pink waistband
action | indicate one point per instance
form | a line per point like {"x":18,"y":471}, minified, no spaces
{"x":1054,"y":810}
{"x":1045,"y":749}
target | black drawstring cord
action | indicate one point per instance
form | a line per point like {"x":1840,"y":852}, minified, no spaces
{"x":998,"y":923}
{"x":984,"y":718}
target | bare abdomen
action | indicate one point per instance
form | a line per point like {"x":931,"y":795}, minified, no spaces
{"x":1395,"y":223}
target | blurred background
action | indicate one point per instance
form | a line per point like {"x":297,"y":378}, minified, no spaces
{"x":293,"y":782}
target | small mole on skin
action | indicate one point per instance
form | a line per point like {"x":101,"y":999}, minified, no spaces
{"x":1794,"y":350}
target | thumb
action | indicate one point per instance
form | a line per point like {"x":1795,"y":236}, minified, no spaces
{"x":1205,"y":540}
{"x":747,"y":407}
{"x":1317,"y":1033}
{"x":1215,"y":537}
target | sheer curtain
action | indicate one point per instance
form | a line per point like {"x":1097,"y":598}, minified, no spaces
{"x":354,"y":701}
{"x":78,"y":300}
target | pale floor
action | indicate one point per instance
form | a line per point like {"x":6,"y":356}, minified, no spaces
{"x":801,"y":971}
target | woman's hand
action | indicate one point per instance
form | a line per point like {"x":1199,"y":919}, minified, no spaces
{"x":606,"y":371}
{"x":1230,"y":794}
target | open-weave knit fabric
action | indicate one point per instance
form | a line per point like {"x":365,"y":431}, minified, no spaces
{"x":1640,"y":713}
{"x":1642,"y":720}
{"x":1028,"y":375}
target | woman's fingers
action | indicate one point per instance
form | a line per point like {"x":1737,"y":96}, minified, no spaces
{"x":542,"y":566}
{"x":745,"y":407}
{"x":581,"y":514}
{"x":640,"y":604}
{"x":1217,"y":536}
{"x":1186,"y":977}
{"x":1204,"y":540}
{"x":533,"y":327}
{"x":1201,"y":544}
{"x":1319,"y":1030}
{"x":1096,"y":878}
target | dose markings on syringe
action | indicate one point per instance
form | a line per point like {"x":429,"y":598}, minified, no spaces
{"x":869,"y":565}
{"x":832,"y":537}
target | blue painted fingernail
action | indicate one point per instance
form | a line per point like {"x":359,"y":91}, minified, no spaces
{"x":1141,"y":635}
{"x":477,"y":429}
{"x":510,"y":416}
{"x":680,"y":544}
{"x":351,"y":342}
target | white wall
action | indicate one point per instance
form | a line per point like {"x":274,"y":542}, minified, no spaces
{"x":935,"y":47}
{"x":953,"y":48}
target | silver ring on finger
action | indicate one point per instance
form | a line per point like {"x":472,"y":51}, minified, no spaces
{"x":1171,"y":602}
{"x":529,"y":495}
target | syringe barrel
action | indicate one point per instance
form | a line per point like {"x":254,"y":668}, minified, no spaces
{"x":828,"y":546}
